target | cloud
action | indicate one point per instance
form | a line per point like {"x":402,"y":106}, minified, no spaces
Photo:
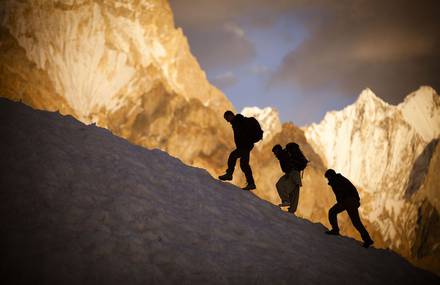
{"x":259,"y":69}
{"x":392,"y":47}
{"x":225,"y":80}
{"x":210,"y":13}
{"x":234,"y":29}
{"x":221,"y":47}
{"x":215,"y":32}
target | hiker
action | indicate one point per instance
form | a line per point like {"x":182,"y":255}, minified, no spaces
{"x":347,"y":199}
{"x":289,"y":184}
{"x":247,"y":131}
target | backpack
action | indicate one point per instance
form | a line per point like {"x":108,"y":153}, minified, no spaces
{"x":255,"y":132}
{"x":297,"y":157}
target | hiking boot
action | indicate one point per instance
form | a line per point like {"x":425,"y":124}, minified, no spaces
{"x":367,"y":243}
{"x":225,"y":177}
{"x":284,"y":204}
{"x":249,"y":187}
{"x":332,"y":232}
{"x":290,"y":210}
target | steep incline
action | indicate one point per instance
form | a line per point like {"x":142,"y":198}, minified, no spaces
{"x":81,"y":206}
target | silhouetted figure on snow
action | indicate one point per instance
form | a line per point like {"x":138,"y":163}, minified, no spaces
{"x":289,"y":184}
{"x":347,"y":199}
{"x":247,"y":131}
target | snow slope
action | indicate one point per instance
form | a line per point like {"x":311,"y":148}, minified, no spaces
{"x":81,"y":206}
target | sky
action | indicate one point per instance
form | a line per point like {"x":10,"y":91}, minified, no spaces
{"x":306,"y":57}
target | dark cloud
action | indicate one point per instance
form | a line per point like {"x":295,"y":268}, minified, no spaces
{"x":392,"y":47}
{"x":210,"y":13}
{"x":222,"y":46}
{"x":214,"y":31}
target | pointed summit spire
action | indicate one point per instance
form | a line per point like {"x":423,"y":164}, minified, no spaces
{"x":368,"y":97}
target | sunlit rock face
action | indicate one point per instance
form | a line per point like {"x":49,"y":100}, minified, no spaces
{"x":391,"y":153}
{"x":120,"y":64}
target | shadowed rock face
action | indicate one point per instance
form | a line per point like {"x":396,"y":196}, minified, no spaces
{"x":425,"y":246}
{"x":81,"y":206}
{"x":419,"y":169}
{"x":20,"y":80}
{"x":185,"y":129}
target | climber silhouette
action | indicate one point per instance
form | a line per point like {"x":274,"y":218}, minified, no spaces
{"x":347,"y":199}
{"x":288,"y":185}
{"x":244,"y":136}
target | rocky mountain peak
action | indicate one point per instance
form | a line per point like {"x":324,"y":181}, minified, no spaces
{"x":421,"y":109}
{"x":103,"y":54}
{"x":268,"y":118}
{"x":368,"y":99}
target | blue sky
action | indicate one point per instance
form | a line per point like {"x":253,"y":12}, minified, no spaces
{"x":308,"y":57}
{"x":253,"y":86}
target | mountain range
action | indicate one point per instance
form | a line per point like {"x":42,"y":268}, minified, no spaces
{"x":124,"y":66}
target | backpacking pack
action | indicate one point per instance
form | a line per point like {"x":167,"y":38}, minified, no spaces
{"x":254,"y":129}
{"x":299,"y":160}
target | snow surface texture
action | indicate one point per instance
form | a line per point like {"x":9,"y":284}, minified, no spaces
{"x":376,"y":145}
{"x":81,"y":206}
{"x":269,"y":120}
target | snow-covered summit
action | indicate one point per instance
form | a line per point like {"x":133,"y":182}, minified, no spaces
{"x":81,"y":206}
{"x":367,"y":97}
{"x":268,"y":118}
{"x":421,"y":109}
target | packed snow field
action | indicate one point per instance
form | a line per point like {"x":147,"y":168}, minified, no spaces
{"x":81,"y":206}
